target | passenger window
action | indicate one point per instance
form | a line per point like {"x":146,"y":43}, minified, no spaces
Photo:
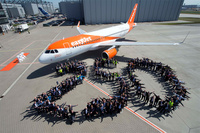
{"x":47,"y":51}
{"x":56,"y":50}
{"x":52,"y":51}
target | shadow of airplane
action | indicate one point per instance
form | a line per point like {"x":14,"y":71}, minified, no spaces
{"x":50,"y":68}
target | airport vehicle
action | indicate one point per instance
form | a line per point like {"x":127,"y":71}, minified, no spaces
{"x":86,"y":41}
{"x":21,"y":27}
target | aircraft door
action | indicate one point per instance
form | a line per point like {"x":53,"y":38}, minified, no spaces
{"x":67,"y":47}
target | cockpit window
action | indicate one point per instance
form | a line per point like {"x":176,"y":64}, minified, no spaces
{"x":51,"y":51}
{"x":47,"y":51}
{"x":56,"y":50}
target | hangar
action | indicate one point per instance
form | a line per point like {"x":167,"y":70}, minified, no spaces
{"x":115,"y":11}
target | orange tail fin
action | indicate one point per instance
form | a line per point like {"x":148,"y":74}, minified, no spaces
{"x":132,"y":16}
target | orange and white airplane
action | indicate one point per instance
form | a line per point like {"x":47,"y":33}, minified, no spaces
{"x":86,"y":41}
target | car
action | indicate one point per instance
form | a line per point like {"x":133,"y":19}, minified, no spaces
{"x":55,"y":24}
{"x":28,"y":21}
{"x":46,"y":24}
{"x":60,"y":20}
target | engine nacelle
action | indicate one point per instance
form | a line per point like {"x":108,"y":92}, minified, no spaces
{"x":109,"y":53}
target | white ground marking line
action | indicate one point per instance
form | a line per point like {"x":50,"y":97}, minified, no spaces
{"x":26,"y":70}
{"x":2,"y":64}
{"x":129,"y":109}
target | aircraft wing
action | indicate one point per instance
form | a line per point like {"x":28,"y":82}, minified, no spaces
{"x":132,"y":43}
{"x":80,"y":30}
{"x":136,"y":44}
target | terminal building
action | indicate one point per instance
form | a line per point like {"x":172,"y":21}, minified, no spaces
{"x":116,"y":11}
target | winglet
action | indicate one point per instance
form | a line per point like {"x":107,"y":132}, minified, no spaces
{"x":79,"y":29}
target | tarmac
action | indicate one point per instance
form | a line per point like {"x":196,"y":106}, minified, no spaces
{"x":30,"y":78}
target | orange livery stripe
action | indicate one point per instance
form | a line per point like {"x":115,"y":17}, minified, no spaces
{"x":78,"y":40}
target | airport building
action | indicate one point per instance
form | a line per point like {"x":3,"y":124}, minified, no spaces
{"x":3,"y":19}
{"x":22,"y":8}
{"x":191,"y":7}
{"x":116,"y":11}
{"x":13,"y":10}
{"x":72,"y":9}
{"x":32,"y":8}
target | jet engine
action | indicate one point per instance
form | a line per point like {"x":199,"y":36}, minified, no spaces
{"x":109,"y":53}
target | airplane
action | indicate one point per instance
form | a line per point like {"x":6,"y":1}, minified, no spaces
{"x":69,"y":47}
{"x":45,"y":13}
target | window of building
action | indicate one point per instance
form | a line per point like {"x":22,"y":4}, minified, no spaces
{"x":2,"y":13}
{"x":3,"y":21}
{"x":1,"y":6}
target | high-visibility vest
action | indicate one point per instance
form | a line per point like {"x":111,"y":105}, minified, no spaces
{"x":60,"y":71}
{"x":171,"y":103}
{"x":116,"y":74}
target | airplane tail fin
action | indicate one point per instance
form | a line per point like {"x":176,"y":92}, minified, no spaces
{"x":132,"y":16}
{"x":43,"y":11}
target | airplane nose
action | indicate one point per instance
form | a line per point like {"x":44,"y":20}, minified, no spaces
{"x":42,"y":59}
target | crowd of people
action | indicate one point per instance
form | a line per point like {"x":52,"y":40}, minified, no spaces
{"x":99,"y":107}
{"x":44,"y":103}
{"x":102,"y":74}
{"x":75,"y":66}
{"x":170,"y":103}
{"x":105,"y":75}
{"x":102,"y":62}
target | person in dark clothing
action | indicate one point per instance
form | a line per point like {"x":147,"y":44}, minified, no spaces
{"x":73,"y":116}
{"x":156,"y":99}
{"x":151,"y":101}
{"x":87,"y":113}
{"x":66,"y":113}
{"x":147,"y":97}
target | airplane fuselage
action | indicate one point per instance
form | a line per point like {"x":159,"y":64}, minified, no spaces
{"x":72,"y":46}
